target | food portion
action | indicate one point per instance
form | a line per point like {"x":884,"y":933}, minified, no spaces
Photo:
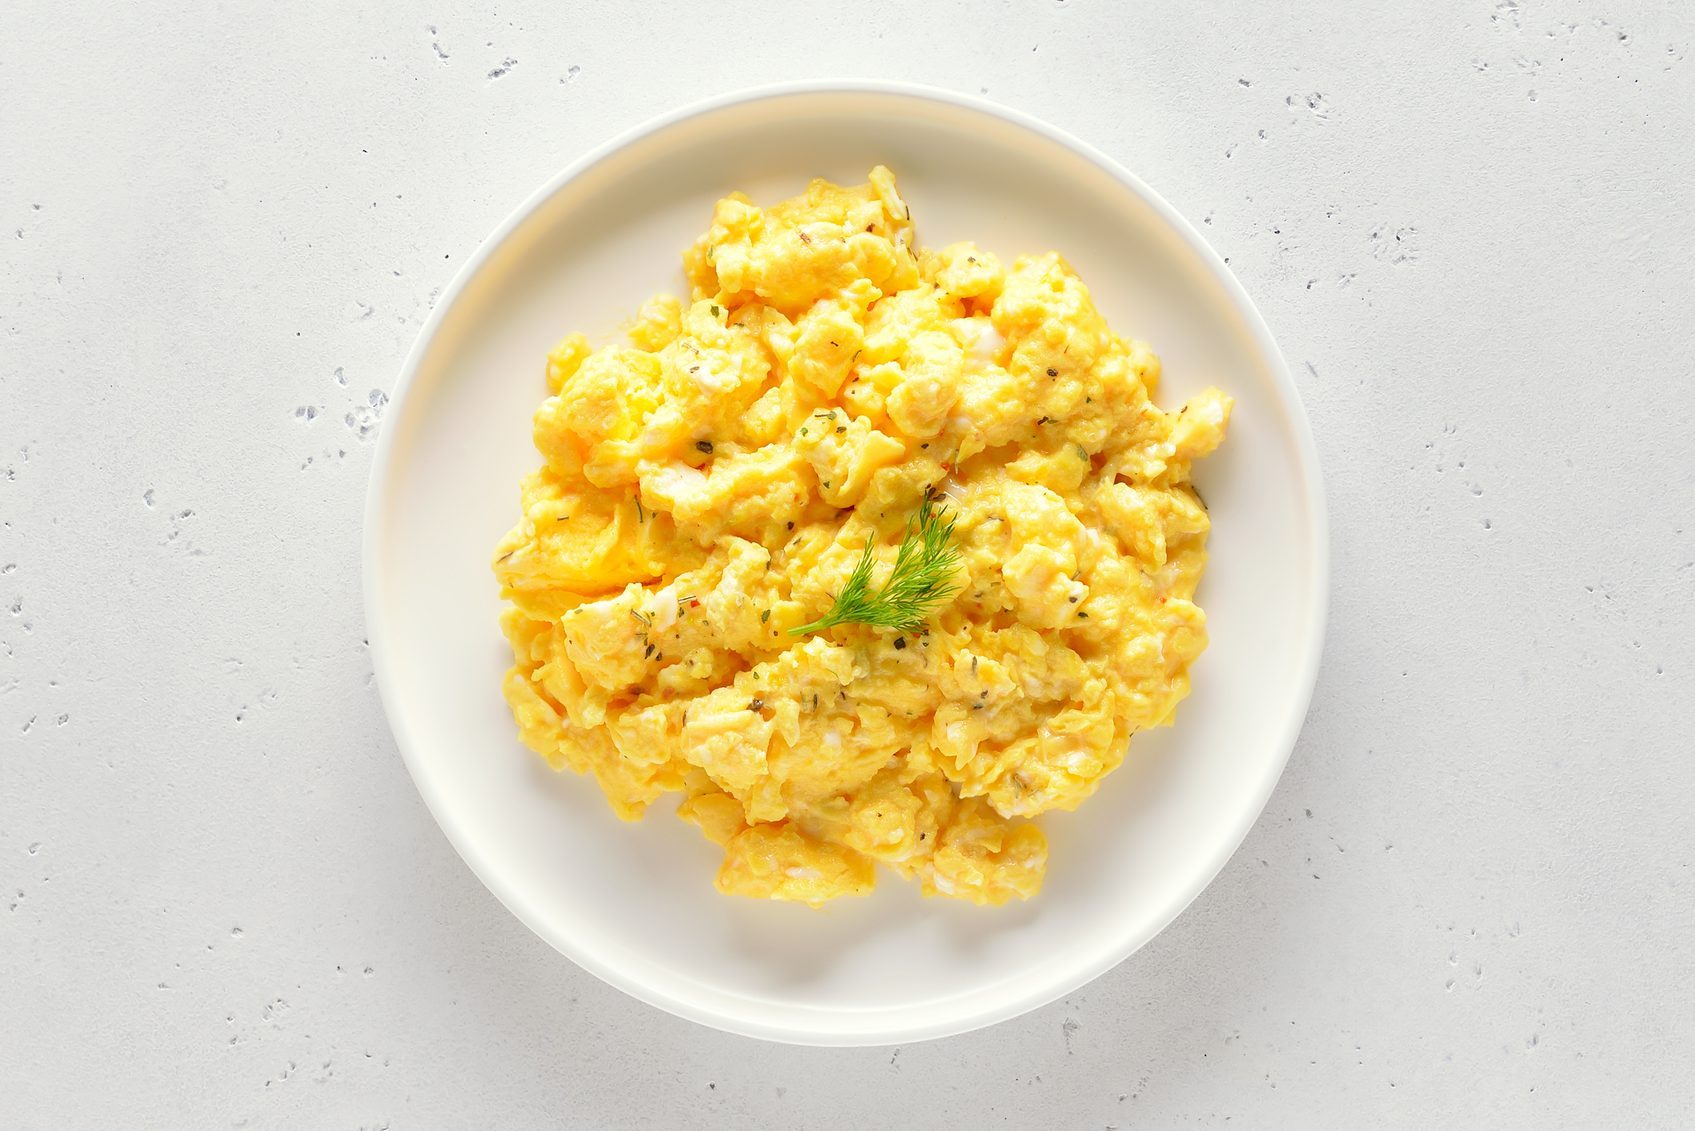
{"x":872,"y":553}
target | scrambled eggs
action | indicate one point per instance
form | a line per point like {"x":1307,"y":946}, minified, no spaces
{"x":712,"y":484}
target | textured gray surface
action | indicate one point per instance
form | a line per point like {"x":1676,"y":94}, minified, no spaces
{"x":1471,"y":900}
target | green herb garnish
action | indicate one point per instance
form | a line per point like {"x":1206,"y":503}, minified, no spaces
{"x":921,"y":578}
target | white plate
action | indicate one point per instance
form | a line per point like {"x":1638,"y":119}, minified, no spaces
{"x":634,"y":903}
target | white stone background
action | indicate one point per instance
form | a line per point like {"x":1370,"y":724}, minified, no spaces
{"x":1470,"y":901}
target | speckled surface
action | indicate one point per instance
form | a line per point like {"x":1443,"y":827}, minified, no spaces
{"x":1472,"y":898}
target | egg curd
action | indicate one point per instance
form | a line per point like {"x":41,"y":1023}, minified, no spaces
{"x":712,"y":485}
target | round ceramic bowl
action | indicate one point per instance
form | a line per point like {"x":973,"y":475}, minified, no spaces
{"x":634,"y":903}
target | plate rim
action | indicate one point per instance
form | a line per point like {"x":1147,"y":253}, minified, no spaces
{"x":1051,"y":987}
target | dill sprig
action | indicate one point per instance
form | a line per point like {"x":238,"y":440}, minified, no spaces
{"x":921,"y":578}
